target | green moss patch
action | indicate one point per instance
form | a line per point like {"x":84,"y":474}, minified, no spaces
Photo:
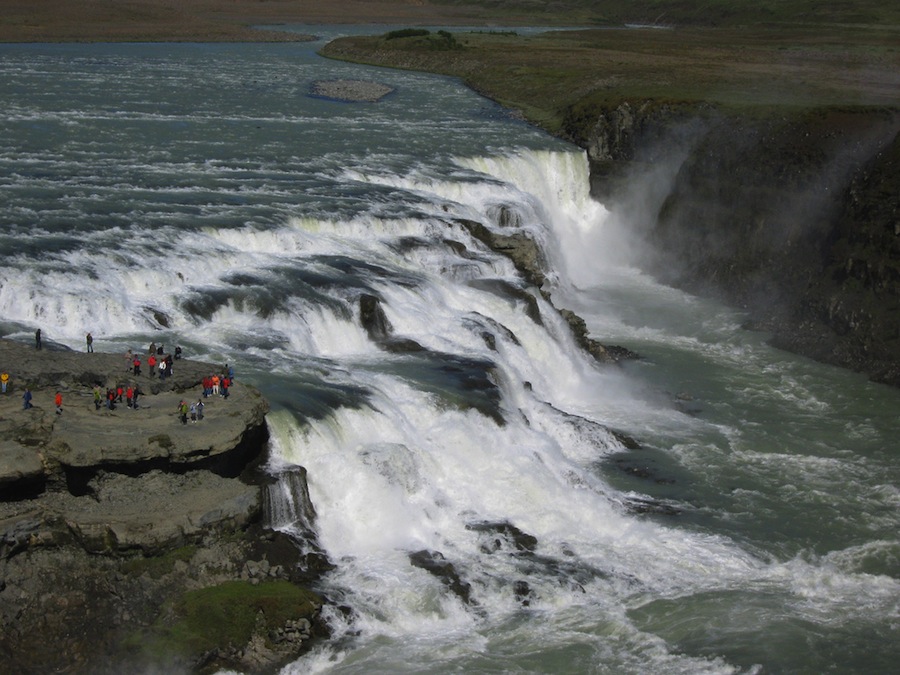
{"x":227,"y":615}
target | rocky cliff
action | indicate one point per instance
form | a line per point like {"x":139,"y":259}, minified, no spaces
{"x":120,"y":528}
{"x":791,"y":214}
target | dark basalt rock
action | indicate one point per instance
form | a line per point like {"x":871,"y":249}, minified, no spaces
{"x":522,"y":592}
{"x":601,"y":352}
{"x":435,"y":563}
{"x":647,"y":505}
{"x":372,"y":317}
{"x":504,"y":532}
{"x":398,"y":345}
{"x":519,"y":247}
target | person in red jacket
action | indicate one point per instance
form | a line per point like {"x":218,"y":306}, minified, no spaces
{"x":58,"y":403}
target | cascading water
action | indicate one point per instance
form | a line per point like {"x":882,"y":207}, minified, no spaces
{"x":286,"y":502}
{"x":470,"y":470}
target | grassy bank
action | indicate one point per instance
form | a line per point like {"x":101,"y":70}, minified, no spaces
{"x":547,"y":76}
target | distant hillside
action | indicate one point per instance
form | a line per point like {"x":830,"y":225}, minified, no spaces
{"x":693,"y":12}
{"x":231,"y":20}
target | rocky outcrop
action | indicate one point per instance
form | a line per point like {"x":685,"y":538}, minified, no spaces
{"x":528,"y":258}
{"x":793,"y":215}
{"x":110,"y":517}
{"x":518,"y":246}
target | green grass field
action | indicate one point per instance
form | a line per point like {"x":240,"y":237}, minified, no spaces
{"x":546,"y":75}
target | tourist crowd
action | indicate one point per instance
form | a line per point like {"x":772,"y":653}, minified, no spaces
{"x":159,"y":364}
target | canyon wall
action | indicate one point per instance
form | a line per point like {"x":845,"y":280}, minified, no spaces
{"x":790,"y":214}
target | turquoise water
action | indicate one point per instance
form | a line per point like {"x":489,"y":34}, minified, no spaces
{"x":199,"y":195}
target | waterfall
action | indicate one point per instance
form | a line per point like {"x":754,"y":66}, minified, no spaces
{"x":286,"y":502}
{"x":468,"y":473}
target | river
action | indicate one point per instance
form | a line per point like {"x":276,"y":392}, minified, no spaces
{"x":199,"y":195}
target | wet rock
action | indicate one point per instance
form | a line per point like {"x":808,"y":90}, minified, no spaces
{"x":489,"y":340}
{"x":519,"y":247}
{"x":569,"y":573}
{"x":372,"y":317}
{"x":599,"y":351}
{"x":647,"y":505}
{"x":397,"y":345}
{"x":435,"y":563}
{"x":504,"y":532}
{"x":522,"y":592}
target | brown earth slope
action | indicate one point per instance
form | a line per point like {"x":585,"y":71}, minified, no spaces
{"x":205,"y":20}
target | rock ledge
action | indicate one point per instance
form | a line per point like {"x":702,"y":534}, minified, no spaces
{"x":110,"y":518}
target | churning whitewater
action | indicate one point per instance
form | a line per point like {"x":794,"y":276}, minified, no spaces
{"x":716,"y":506}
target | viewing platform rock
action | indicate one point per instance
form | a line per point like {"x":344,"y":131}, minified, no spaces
{"x":110,"y":519}
{"x":127,"y":476}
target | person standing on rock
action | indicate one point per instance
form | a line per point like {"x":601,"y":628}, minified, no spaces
{"x":129,"y":358}
{"x":183,"y":411}
{"x":151,"y":364}
{"x":37,"y":339}
{"x":4,"y":381}
{"x":97,"y":397}
{"x":199,"y":409}
{"x":152,"y":350}
{"x":58,"y":402}
{"x":137,"y":365}
{"x":90,"y":343}
{"x":26,"y":399}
